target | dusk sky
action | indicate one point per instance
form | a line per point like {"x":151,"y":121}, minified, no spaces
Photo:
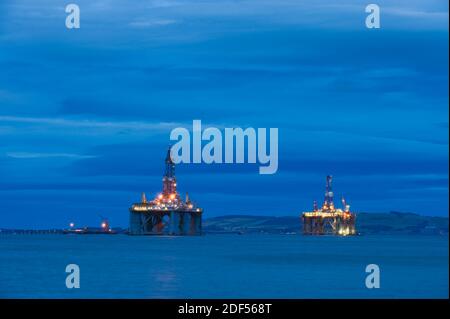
{"x":85,"y":114}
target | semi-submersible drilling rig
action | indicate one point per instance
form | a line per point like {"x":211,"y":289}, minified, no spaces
{"x":167,"y":213}
{"x":329,"y":219}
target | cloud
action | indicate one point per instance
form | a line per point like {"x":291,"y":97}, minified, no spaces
{"x":417,"y":13}
{"x":163,"y":3}
{"x":151,"y":23}
{"x":27,"y":155}
{"x":80,"y":123}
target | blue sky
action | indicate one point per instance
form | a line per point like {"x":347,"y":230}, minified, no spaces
{"x":85,"y":115}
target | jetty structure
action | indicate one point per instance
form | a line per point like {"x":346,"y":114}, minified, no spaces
{"x":167,"y":214}
{"x":328,"y":219}
{"x":104,"y":229}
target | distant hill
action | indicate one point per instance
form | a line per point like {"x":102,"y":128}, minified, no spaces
{"x":366,"y":223}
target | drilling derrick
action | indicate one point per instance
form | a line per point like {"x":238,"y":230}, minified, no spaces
{"x":169,"y":180}
{"x":167,"y":213}
{"x":328,"y":203}
{"x":329,"y":219}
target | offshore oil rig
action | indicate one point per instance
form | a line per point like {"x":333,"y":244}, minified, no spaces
{"x":329,"y":219}
{"x":167,"y":214}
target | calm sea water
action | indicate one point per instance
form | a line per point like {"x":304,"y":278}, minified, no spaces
{"x":223,"y":266}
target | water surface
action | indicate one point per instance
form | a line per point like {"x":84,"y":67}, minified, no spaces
{"x":223,"y":266}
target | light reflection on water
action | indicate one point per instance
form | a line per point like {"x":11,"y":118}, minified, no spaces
{"x":165,"y":282}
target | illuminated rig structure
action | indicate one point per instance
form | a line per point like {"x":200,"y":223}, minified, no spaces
{"x":329,"y":219}
{"x":167,"y":214}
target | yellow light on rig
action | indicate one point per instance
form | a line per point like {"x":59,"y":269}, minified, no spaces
{"x":160,"y":196}
{"x":172,"y":196}
{"x":103,"y":225}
